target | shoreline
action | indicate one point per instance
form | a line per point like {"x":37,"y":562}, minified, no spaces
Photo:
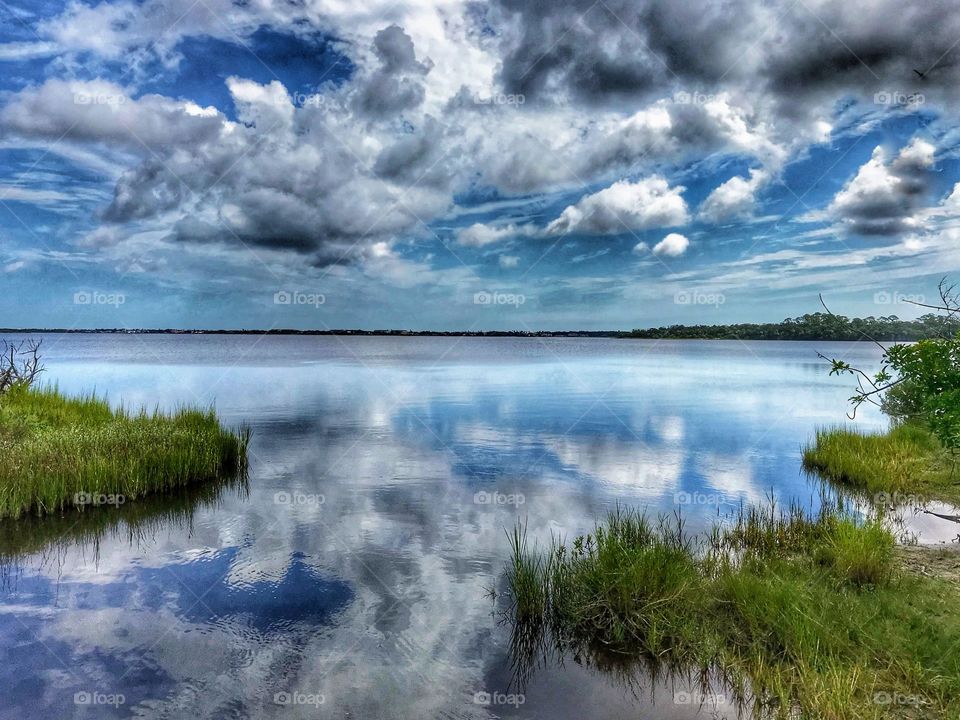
{"x":533,"y":334}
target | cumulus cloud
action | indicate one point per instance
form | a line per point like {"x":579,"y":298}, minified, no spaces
{"x":619,"y":89}
{"x":561,"y":147}
{"x":397,"y":84}
{"x":673,"y":245}
{"x":481,"y":234}
{"x":623,"y":207}
{"x":885,"y":197}
{"x":733,"y":200}
{"x":281,"y":176}
{"x":102,"y":112}
{"x":951,"y":203}
{"x":793,"y":53}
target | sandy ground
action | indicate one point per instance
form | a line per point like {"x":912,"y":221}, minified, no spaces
{"x":941,"y":561}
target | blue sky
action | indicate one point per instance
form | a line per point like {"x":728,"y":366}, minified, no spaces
{"x":456,"y":165}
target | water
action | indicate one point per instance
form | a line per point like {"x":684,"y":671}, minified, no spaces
{"x":356,"y":566}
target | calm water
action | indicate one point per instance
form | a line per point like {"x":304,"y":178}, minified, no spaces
{"x":351,"y":578}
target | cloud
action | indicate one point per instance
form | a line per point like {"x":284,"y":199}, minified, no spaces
{"x":397,"y":84}
{"x":733,"y":200}
{"x":32,"y":195}
{"x":623,"y":207}
{"x":885,"y":197}
{"x":649,"y":89}
{"x":308,"y":181}
{"x":100,"y":111}
{"x":508,"y":262}
{"x":673,"y":245}
{"x":480,"y":234}
{"x":797,"y":55}
{"x":551,"y":147}
{"x":267,"y":107}
{"x":951,"y":203}
{"x":13,"y":51}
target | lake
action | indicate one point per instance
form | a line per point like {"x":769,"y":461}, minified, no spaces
{"x":356,"y":575}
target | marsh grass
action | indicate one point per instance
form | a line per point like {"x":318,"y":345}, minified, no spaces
{"x":50,"y":537}
{"x":797,"y":614}
{"x":56,"y":451}
{"x":907,"y":461}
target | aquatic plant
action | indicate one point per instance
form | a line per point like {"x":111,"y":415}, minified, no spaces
{"x":798,"y":614}
{"x":905,"y":465}
{"x":58,"y":452}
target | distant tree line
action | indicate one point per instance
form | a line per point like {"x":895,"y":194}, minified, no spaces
{"x":919,"y":382}
{"x":816,"y":326}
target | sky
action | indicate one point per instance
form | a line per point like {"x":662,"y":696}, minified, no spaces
{"x":458,"y":165}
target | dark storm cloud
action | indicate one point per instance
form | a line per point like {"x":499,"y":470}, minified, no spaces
{"x":395,"y":50}
{"x":620,"y":48}
{"x":143,"y":192}
{"x":418,"y":158}
{"x":302,"y":178}
{"x":794,"y":51}
{"x":886,"y":197}
{"x":863,"y":46}
{"x":266,"y":232}
{"x":577,"y":46}
{"x":397,"y":85}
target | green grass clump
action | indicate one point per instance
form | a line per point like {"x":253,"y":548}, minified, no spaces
{"x":798,"y":615}
{"x":907,"y":461}
{"x":57,"y":452}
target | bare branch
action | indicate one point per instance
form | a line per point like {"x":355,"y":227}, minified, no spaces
{"x":20,"y":364}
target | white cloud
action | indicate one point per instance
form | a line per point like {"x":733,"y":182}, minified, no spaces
{"x":32,"y":195}
{"x":951,"y":203}
{"x":26,"y":50}
{"x":508,"y":262}
{"x":884,"y":197}
{"x":480,"y":234}
{"x":393,"y":147}
{"x":624,"y":206}
{"x":673,"y":245}
{"x":733,"y":200}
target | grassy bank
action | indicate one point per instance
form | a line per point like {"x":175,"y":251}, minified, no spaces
{"x":49,"y":538}
{"x":907,"y":461}
{"x":796,"y":614}
{"x":57,"y":452}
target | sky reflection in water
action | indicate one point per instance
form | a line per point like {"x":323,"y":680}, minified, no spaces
{"x":355,"y":565}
